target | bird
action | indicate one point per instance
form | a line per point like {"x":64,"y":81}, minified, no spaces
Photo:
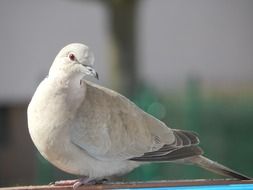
{"x":89,"y":130}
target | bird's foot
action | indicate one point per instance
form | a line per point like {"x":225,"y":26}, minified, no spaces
{"x":79,"y":182}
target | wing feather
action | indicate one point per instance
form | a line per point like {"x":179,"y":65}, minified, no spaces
{"x":115,"y":128}
{"x":185,"y":145}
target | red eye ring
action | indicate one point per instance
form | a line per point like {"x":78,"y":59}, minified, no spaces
{"x":72,"y":57}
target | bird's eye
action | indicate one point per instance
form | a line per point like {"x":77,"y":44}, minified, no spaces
{"x":72,"y":57}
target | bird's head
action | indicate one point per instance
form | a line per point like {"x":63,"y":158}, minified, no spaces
{"x":74,"y":60}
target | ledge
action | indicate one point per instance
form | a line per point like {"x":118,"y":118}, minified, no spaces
{"x":183,"y":184}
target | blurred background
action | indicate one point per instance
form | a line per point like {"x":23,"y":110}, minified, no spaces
{"x":187,"y":62}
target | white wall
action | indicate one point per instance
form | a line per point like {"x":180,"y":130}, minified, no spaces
{"x":32,"y":32}
{"x":209,"y":38}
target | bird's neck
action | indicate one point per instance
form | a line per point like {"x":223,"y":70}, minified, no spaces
{"x":70,"y":91}
{"x":67,"y":80}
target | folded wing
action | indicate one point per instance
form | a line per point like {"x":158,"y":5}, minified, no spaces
{"x":113,"y":128}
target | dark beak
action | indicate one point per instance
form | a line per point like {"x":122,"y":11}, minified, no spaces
{"x":96,"y":76}
{"x":92,"y":72}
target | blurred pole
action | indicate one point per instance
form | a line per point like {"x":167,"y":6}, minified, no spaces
{"x":122,"y":25}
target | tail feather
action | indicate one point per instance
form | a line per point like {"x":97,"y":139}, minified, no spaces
{"x":215,"y":167}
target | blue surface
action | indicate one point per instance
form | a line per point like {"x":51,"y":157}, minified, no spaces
{"x":205,"y":187}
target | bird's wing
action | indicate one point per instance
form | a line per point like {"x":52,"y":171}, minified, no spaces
{"x":185,"y":146}
{"x":110,"y":127}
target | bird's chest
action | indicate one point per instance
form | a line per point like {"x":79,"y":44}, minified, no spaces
{"x":50,"y":116}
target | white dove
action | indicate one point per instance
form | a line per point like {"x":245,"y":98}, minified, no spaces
{"x":89,"y":130}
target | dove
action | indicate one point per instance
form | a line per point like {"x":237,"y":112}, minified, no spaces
{"x":88,"y":130}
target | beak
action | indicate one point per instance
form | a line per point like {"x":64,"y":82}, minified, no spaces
{"x":96,"y":76}
{"x":92,"y":72}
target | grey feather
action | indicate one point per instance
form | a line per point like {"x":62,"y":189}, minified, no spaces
{"x":177,"y":154}
{"x":215,"y":167}
{"x":184,"y":146}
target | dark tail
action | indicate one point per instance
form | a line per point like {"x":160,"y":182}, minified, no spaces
{"x":217,"y":168}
